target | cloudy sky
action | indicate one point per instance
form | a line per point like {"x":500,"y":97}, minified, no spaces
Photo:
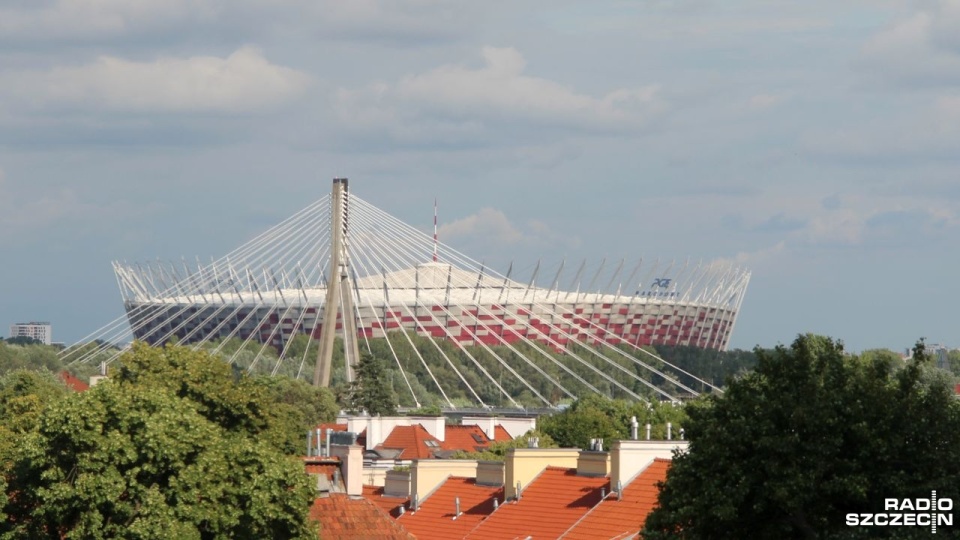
{"x":815,"y":142}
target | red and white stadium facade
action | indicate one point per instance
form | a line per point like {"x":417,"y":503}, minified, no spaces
{"x":378,"y":277}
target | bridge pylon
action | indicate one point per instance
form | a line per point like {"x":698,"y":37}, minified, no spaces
{"x":339,"y":295}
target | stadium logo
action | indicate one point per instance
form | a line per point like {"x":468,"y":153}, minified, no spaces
{"x":932,"y":512}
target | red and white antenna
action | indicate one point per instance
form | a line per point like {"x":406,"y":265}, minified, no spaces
{"x":434,"y":230}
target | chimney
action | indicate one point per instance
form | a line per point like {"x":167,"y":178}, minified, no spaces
{"x":628,"y":458}
{"x":593,"y":463}
{"x":490,"y":473}
{"x":490,"y":428}
{"x":633,"y":427}
{"x":427,"y":474}
{"x":435,"y":425}
{"x":351,"y":462}
{"x":522,"y":465}
{"x":397,"y":484}
{"x":375,"y":433}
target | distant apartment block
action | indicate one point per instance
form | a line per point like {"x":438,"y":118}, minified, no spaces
{"x":41,"y":331}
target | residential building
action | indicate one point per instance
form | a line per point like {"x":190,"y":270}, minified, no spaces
{"x":41,"y":331}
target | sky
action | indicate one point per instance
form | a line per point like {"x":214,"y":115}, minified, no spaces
{"x":816,"y":143}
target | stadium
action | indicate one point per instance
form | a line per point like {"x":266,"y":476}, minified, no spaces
{"x":342,"y":259}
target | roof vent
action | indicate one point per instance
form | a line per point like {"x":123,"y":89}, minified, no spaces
{"x":456,"y":505}
{"x":414,"y":502}
{"x":619,"y":490}
{"x":401,"y":510}
{"x":496,"y":504}
{"x":519,"y":490}
{"x":533,"y":442}
{"x":603,"y":493}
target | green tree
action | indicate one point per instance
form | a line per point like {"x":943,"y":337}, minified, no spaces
{"x":221,"y":393}
{"x":372,"y":389}
{"x":811,"y":435}
{"x":24,"y":394}
{"x":147,"y":455}
{"x":598,"y":417}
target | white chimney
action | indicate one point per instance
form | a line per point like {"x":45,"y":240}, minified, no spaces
{"x":351,"y":462}
{"x":628,"y":458}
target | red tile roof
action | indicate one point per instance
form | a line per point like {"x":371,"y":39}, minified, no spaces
{"x":414,"y":441}
{"x":324,"y":466}
{"x":390,"y":505}
{"x":466,"y":438}
{"x":435,"y":519}
{"x":623,"y":518}
{"x":553,"y":502}
{"x":341,"y":517}
{"x":500,"y":434}
{"x":73,"y":383}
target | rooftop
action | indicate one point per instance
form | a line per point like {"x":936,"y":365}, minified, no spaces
{"x":413,"y":441}
{"x":548,"y":506}
{"x":389,"y":505}
{"x":73,"y":383}
{"x":623,"y":517}
{"x":342,"y":517}
{"x":437,"y":519}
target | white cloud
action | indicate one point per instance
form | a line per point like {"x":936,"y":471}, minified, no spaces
{"x":244,"y":81}
{"x":491,"y":227}
{"x":460,"y":102}
{"x":487,"y":223}
{"x":920,"y":49}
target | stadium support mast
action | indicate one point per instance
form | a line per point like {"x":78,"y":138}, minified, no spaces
{"x":339,"y":297}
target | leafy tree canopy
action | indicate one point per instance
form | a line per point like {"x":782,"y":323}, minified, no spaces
{"x":182,"y":453}
{"x":598,"y":417}
{"x":812,"y":435}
